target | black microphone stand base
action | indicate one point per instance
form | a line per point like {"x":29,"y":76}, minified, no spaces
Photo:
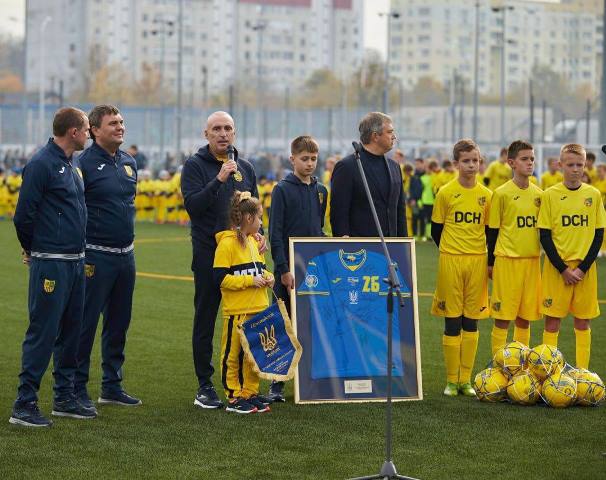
{"x":388,"y":472}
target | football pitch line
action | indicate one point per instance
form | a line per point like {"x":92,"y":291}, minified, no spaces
{"x":186,"y":278}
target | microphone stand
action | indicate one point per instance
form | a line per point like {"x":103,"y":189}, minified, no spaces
{"x":388,"y":470}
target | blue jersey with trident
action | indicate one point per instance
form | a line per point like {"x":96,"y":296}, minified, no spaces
{"x":348,"y":315}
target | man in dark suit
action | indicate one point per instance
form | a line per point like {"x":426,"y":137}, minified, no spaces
{"x":350,"y":213}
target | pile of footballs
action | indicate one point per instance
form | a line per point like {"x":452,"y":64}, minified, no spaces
{"x":525,"y":376}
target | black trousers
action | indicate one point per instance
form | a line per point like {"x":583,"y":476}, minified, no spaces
{"x":207,"y":298}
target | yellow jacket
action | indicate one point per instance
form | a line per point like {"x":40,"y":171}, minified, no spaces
{"x":234,"y":270}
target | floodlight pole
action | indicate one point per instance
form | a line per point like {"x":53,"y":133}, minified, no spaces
{"x":388,"y":470}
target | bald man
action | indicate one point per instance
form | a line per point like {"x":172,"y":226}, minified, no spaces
{"x":208,"y":182}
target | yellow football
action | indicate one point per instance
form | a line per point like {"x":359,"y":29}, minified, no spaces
{"x":559,"y":390}
{"x":491,"y":385}
{"x":590,"y":387}
{"x":511,"y":358}
{"x":544,"y":360}
{"x":524,"y":389}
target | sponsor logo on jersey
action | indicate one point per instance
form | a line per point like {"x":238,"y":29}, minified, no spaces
{"x":575,"y":220}
{"x":526,"y":221}
{"x":246,"y":271}
{"x":49,"y":285}
{"x":537,"y":202}
{"x":588,"y":202}
{"x":336,"y":280}
{"x":456,"y":195}
{"x":482,"y":201}
{"x":89,"y":270}
{"x":516,"y":197}
{"x":311,"y":281}
{"x":62,"y":170}
{"x":101,"y":167}
{"x":496,"y":306}
{"x":129,"y":171}
{"x":268,"y":339}
{"x":353,"y":281}
{"x":468,"y":217}
{"x":442,"y":305}
{"x":353,"y":297}
{"x":564,"y":197}
{"x":547,"y":302}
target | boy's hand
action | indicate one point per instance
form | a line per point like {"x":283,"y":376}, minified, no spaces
{"x":571,"y":277}
{"x":288,"y":280}
{"x":259,"y":281}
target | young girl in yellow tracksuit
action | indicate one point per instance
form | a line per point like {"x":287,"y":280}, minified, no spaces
{"x":240,"y":271}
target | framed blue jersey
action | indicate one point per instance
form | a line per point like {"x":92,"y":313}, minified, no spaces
{"x":339,"y":310}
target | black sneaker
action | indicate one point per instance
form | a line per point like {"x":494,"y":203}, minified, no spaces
{"x":276,"y":392}
{"x":239,"y":405}
{"x":85,"y":399}
{"x":28,"y":415}
{"x":73,"y":409}
{"x":207,"y":398}
{"x":264,"y":399}
{"x":259,"y":404}
{"x":118,"y":398}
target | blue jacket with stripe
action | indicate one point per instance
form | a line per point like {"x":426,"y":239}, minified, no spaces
{"x":110,"y":186}
{"x":51,"y":214}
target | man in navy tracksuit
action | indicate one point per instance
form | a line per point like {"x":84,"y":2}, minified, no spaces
{"x":298,"y":208}
{"x":50,"y":220}
{"x":110,"y":183}
{"x":208,"y":182}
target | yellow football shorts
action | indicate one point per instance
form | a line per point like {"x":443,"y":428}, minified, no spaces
{"x":462,"y":287}
{"x":516,"y":288}
{"x":559,"y":299}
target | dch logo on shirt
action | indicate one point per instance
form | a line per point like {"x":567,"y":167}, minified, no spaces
{"x":575,"y":220}
{"x":467,"y":217}
{"x":526,"y":221}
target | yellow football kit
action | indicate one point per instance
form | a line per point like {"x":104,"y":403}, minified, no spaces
{"x":497,"y":174}
{"x":239,"y":265}
{"x":516,"y":281}
{"x":550,"y":179}
{"x":572,"y":216}
{"x":462,"y":285}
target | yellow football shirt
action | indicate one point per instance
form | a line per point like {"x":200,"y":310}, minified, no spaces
{"x":514,"y":211}
{"x":497,"y":174}
{"x":601,"y":186}
{"x":549,"y":180}
{"x":572,"y":216}
{"x":592,"y":175}
{"x":464,"y":214}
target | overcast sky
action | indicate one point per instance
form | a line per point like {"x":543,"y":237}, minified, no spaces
{"x":375,"y":36}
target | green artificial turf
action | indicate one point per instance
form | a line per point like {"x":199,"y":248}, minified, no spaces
{"x":167,"y":437}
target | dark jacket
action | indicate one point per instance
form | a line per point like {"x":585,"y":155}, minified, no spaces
{"x":207,"y":199}
{"x":297,"y":210}
{"x":51,"y":214}
{"x":350,"y":212}
{"x":110,"y":186}
{"x":416,"y":186}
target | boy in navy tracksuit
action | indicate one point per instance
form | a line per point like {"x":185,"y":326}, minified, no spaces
{"x":298,"y":206}
{"x":50,"y":220}
{"x":110,"y":184}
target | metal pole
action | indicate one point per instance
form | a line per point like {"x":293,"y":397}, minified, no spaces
{"x":461,"y":109}
{"x":587,"y":120}
{"x":543,"y":119}
{"x":24,"y":102}
{"x":453,"y":106}
{"x":179,"y":81}
{"x":41,"y":99}
{"x":475,"y":73}
{"x":531,"y":101}
{"x":162,"y":95}
{"x":386,"y":69}
{"x":503,"y":9}
{"x":603,"y":89}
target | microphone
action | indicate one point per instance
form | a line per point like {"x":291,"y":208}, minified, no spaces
{"x":230,"y":156}
{"x":358,"y":147}
{"x":604,"y":149}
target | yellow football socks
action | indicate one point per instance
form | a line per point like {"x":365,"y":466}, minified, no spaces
{"x":469,"y":346}
{"x":521,"y":335}
{"x":550,"y":338}
{"x":583,"y":347}
{"x":452,"y":357}
{"x":498,"y":338}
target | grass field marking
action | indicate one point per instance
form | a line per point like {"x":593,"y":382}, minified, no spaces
{"x":184,"y":278}
{"x":161,"y":240}
{"x":160,"y":276}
